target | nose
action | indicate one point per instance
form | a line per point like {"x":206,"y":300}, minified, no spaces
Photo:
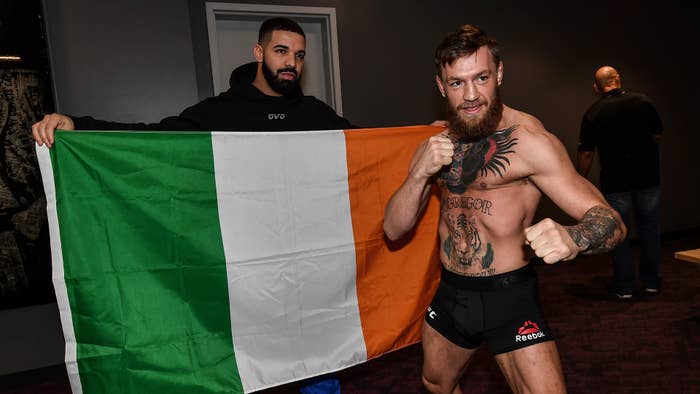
{"x":290,"y":60}
{"x":471,"y":93}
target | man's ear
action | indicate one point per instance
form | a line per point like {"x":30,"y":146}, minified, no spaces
{"x":439,"y":85}
{"x":499,"y":73}
{"x":258,"y":53}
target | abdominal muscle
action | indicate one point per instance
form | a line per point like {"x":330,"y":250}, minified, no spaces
{"x":482,"y":231}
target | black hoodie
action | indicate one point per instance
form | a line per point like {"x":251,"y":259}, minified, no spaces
{"x":241,"y":108}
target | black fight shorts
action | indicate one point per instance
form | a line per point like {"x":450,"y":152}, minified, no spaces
{"x":502,"y":310}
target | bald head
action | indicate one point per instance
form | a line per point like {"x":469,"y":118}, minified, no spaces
{"x":606,"y":79}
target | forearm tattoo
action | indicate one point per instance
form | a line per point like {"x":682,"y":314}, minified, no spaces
{"x":597,"y":232}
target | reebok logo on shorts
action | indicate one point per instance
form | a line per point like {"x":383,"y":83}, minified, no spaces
{"x":528,"y":332}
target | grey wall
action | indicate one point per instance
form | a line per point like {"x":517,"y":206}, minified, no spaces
{"x":125,"y":60}
{"x":144,"y":60}
{"x":30,"y":338}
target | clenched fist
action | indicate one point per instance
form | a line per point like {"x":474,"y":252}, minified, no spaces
{"x":550,"y":241}
{"x":438,"y":152}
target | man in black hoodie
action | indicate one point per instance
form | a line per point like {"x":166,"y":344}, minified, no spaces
{"x":265,"y":95}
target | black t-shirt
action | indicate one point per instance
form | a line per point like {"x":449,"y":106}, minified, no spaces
{"x":622,"y":126}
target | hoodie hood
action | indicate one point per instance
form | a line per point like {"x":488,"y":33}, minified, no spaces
{"x":241,"y":84}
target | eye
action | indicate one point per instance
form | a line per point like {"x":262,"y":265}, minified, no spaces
{"x":281,"y":51}
{"x":482,"y":78}
{"x":301,"y":56}
{"x":455,"y":84}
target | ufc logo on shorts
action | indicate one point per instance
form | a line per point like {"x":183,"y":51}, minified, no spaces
{"x":431,"y":313}
{"x":276,"y":116}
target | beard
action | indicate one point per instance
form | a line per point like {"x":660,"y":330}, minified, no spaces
{"x":476,"y":129}
{"x":282,"y":86}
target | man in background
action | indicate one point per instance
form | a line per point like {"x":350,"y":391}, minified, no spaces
{"x":626,"y":129}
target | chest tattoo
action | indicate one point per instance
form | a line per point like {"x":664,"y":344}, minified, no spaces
{"x":472,"y":159}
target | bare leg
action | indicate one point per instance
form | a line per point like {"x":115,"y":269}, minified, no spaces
{"x":443,"y":362}
{"x":533,"y":369}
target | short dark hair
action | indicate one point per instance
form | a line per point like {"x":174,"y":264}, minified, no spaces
{"x":274,"y":24}
{"x":463,"y":42}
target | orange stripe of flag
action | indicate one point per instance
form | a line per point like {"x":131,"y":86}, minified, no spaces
{"x":396,"y":282}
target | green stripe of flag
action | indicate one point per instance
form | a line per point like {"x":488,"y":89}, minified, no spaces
{"x":141,"y":232}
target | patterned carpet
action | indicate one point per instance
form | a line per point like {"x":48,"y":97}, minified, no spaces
{"x":649,"y":345}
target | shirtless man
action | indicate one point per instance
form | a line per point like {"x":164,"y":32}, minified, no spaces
{"x":491,"y":166}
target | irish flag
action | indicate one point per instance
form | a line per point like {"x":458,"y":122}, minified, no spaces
{"x":230,"y":262}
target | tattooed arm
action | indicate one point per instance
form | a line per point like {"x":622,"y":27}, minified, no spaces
{"x":599,"y":231}
{"x":598,"y":228}
{"x":596,"y":231}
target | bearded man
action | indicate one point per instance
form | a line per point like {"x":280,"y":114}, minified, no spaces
{"x":264,"y":95}
{"x":491,"y":166}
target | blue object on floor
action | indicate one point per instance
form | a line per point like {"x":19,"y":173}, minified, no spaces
{"x":322,"y":385}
